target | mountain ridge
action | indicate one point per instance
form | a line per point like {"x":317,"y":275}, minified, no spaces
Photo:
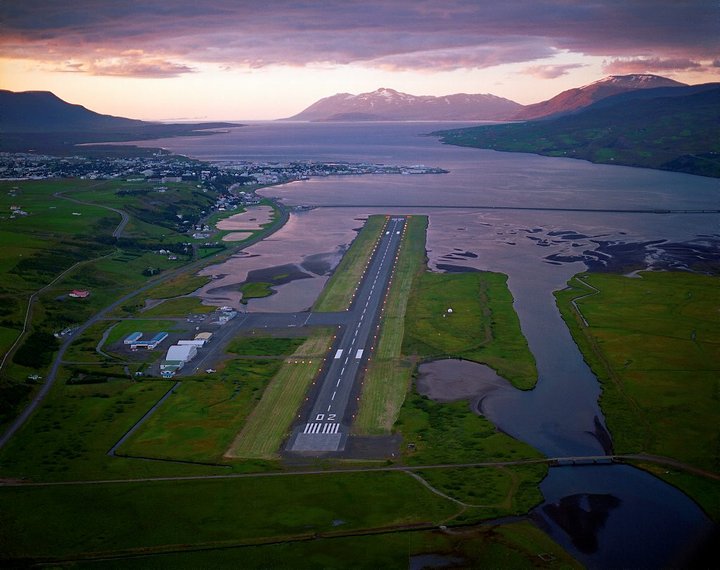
{"x":675,"y":130}
{"x":386,"y":104}
{"x":581,"y":97}
{"x":40,"y":121}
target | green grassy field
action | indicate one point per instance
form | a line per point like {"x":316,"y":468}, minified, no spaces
{"x":482,"y":326}
{"x":387,"y":378}
{"x":199,"y":421}
{"x":518,"y":545}
{"x":654,"y":343}
{"x":269,"y":423}
{"x":69,"y":436}
{"x":145,"y":517}
{"x":490,"y":491}
{"x":177,"y":307}
{"x":255,"y":290}
{"x":340,"y":289}
{"x":203,"y":416}
{"x":452,"y":433}
{"x":69,"y":222}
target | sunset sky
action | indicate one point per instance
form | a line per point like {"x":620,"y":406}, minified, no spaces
{"x":225,"y":59}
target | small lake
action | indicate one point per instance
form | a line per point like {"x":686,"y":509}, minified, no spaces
{"x":607,"y":516}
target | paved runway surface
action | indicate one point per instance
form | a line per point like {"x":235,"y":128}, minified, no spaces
{"x":327,"y":426}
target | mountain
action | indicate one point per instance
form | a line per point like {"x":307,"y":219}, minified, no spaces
{"x":39,"y":121}
{"x":676,"y":129}
{"x":579,"y":97}
{"x":42,"y":111}
{"x":390,"y":105}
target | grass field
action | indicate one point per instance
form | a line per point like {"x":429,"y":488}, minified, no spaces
{"x":482,"y":326}
{"x":199,"y":421}
{"x":339,"y":290}
{"x":255,"y":290}
{"x":388,"y":374}
{"x":203,"y":416}
{"x":654,"y":343}
{"x":270,"y":421}
{"x":518,"y":545}
{"x":69,"y":436}
{"x":177,"y":307}
{"x":452,"y":433}
{"x":69,"y":222}
{"x":141,"y":517}
{"x":490,"y":491}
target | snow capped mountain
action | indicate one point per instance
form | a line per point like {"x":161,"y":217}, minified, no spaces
{"x":580,"y":97}
{"x":390,"y":105}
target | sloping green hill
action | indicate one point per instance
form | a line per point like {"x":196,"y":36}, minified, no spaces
{"x":680,"y":133}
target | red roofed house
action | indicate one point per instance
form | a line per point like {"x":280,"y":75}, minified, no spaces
{"x":79,"y":293}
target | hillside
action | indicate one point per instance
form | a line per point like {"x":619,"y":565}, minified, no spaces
{"x":679,"y":133}
{"x":39,"y":121}
{"x":390,"y":105}
{"x":579,"y":97}
{"x":42,"y":111}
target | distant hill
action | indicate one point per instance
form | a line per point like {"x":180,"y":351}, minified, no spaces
{"x":42,"y":111}
{"x":39,"y":121}
{"x":390,"y":105}
{"x":579,"y":97}
{"x":677,"y":129}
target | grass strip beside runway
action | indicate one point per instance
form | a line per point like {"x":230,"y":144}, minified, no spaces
{"x":338,"y":292}
{"x":270,"y":422}
{"x":469,"y":316}
{"x":388,"y":375}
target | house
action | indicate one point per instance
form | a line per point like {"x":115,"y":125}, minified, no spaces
{"x":79,"y":294}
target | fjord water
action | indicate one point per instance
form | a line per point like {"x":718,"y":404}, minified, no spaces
{"x":627,"y":517}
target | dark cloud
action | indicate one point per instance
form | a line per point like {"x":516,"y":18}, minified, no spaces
{"x":396,"y":34}
{"x":649,"y":65}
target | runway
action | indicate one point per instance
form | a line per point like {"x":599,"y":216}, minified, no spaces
{"x":327,"y":425}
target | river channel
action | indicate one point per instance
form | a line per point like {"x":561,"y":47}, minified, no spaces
{"x":539,"y":220}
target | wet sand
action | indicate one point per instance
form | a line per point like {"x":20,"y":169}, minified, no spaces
{"x":236,"y":236}
{"x":252,"y":219}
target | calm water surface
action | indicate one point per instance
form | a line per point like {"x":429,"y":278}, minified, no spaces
{"x":607,"y":516}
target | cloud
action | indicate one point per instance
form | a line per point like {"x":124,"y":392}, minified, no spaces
{"x":649,"y":65}
{"x":393,"y":34}
{"x":129,"y":65}
{"x":551,"y":71}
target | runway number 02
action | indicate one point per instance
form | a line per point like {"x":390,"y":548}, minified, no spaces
{"x":321,"y":417}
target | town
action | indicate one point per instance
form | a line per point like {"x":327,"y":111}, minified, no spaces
{"x":162,"y":168}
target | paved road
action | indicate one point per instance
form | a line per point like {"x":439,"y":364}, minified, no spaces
{"x":327,"y":426}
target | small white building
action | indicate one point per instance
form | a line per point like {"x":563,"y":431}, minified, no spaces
{"x":199,"y":343}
